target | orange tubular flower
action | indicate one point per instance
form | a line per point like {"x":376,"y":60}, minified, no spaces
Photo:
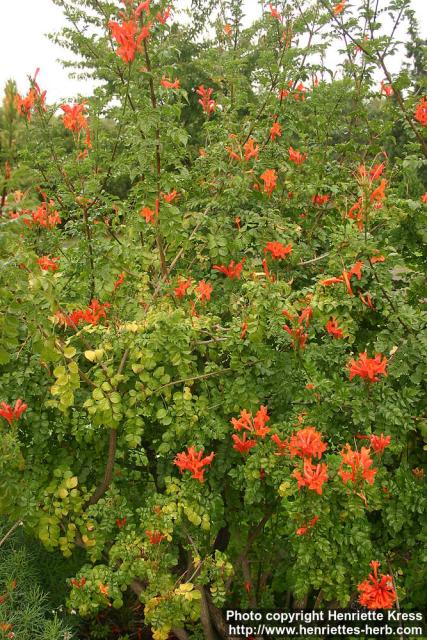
{"x":274,"y":12}
{"x":243,"y":445}
{"x":182,"y":287}
{"x":305,"y":316}
{"x":163,"y":17}
{"x":120,"y":522}
{"x":233,"y":270}
{"x":12,"y":414}
{"x":368,"y":368}
{"x":255,"y":425}
{"x":377,"y":592}
{"x":104,"y":589}
{"x":267,"y":273}
{"x":127,"y":37}
{"x":193,"y":461}
{"x":313,"y":476}
{"x":204,"y":290}
{"x":424,"y":198}
{"x":25,"y":105}
{"x":251,"y":151}
{"x":207,"y":103}
{"x":244,"y":422}
{"x":421,"y":112}
{"x":333,"y":329}
{"x":148,"y":214}
{"x":275,"y":131}
{"x":48,"y":264}
{"x":359,"y":463}
{"x":387,"y":89}
{"x":356,"y":212}
{"x":44,"y":216}
{"x":379,"y":258}
{"x":260,"y":419}
{"x":339,"y":8}
{"x":278,"y":250}
{"x":170,"y":84}
{"x":232,"y":154}
{"x":296,"y":156}
{"x":282,"y":445}
{"x":319,"y":200}
{"x":244,"y":330}
{"x":79,"y":584}
{"x":283,"y":93}
{"x":376,"y":171}
{"x":303,"y":530}
{"x":307,"y":443}
{"x":143,"y":6}
{"x":269,"y":177}
{"x":118,"y":283}
{"x":75,"y":120}
{"x":155,"y":537}
{"x":378,"y":194}
{"x":356,"y":270}
{"x":170,"y":197}
{"x":92,"y":315}
{"x":298,"y":336}
{"x":379,"y":443}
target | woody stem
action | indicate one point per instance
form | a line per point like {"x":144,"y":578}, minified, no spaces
{"x":88,"y":233}
{"x":111,"y":457}
{"x":159,"y":238}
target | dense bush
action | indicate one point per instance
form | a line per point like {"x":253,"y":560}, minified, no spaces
{"x":212,"y":289}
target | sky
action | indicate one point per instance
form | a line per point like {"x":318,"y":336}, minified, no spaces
{"x":25,"y":47}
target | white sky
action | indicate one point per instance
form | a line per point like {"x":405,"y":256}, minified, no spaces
{"x":24,"y":46}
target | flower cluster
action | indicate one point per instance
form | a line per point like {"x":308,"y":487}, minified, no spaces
{"x":368,"y":368}
{"x":421,"y":112}
{"x":92,"y":315}
{"x":253,"y":425}
{"x":333,"y":329}
{"x":319,"y":200}
{"x":307,"y":444}
{"x":277,"y":250}
{"x":155,"y":537}
{"x":300,"y":324}
{"x":299,"y":93}
{"x":128,"y":35}
{"x":306,"y":527}
{"x":206,"y":101}
{"x":269,"y":177}
{"x":193,"y":461}
{"x":150,"y":215}
{"x":356,"y":270}
{"x":296,"y":156}
{"x":377,"y":592}
{"x":12,"y":414}
{"x":49,"y":264}
{"x":74,"y":120}
{"x":35,"y":97}
{"x":44,"y":216}
{"x":360,"y":464}
{"x":233,"y":270}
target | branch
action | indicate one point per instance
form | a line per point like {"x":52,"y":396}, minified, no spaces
{"x":205,"y":617}
{"x":17,"y":524}
{"x":112,"y":446}
{"x":379,"y":61}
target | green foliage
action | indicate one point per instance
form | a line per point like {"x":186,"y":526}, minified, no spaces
{"x":25,"y":609}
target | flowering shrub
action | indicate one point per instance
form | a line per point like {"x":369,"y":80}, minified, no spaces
{"x":170,"y":428}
